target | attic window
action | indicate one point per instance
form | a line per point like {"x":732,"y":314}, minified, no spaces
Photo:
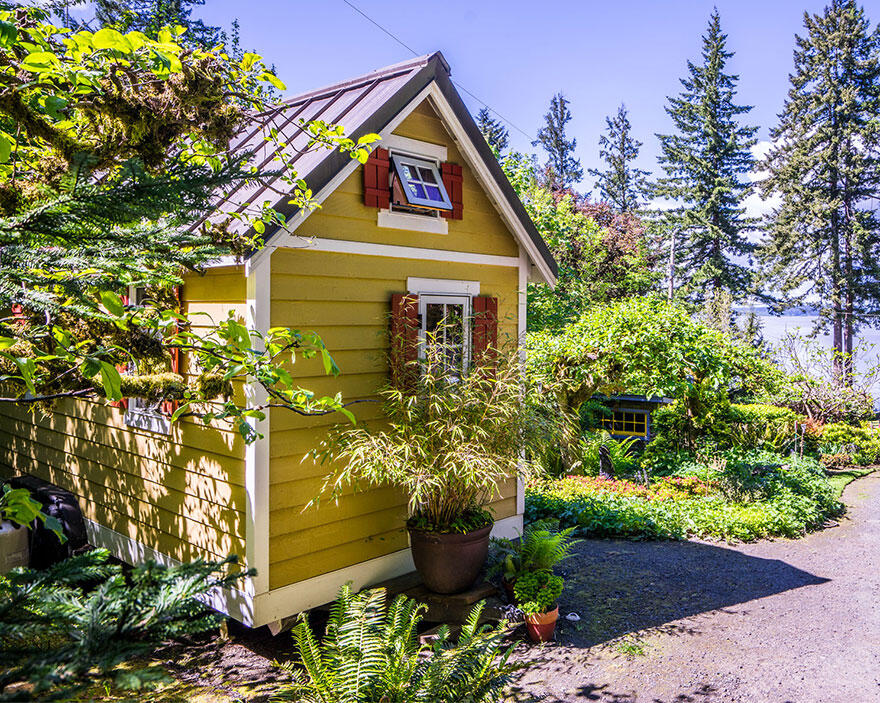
{"x":417,"y":185}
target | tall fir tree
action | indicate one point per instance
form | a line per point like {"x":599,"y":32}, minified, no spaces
{"x":621,"y":184}
{"x":149,"y":16}
{"x":493,"y":131}
{"x":563,"y":169}
{"x":823,"y":243}
{"x":706,"y":162}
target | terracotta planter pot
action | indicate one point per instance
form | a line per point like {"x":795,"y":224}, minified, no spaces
{"x":541,"y":626}
{"x":449,"y":562}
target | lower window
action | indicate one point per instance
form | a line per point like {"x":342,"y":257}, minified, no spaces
{"x":627,"y":422}
{"x":445,"y":325}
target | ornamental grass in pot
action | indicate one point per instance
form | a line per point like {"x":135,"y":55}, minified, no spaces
{"x":450,"y":438}
{"x":537,"y":593}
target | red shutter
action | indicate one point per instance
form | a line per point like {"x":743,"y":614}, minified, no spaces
{"x":122,"y":368}
{"x":485,"y":330}
{"x":377,"y":191}
{"x":404,"y":338}
{"x":169,"y":406}
{"x":452,"y":181}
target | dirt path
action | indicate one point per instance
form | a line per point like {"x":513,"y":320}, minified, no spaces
{"x":772,"y":622}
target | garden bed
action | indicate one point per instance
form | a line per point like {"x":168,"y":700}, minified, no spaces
{"x":737,"y":495}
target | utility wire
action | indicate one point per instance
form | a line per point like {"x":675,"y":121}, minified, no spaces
{"x":457,"y":84}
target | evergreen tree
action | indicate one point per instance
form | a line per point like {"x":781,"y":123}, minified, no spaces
{"x":823,"y":241}
{"x":622,"y":185}
{"x":495,"y":133}
{"x":705,"y":162}
{"x":149,"y":16}
{"x":563,"y":169}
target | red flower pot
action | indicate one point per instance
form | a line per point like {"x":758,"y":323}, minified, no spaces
{"x":541,"y":626}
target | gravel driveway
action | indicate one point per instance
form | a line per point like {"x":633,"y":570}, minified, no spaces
{"x":788,"y":621}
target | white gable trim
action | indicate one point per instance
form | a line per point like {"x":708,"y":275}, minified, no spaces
{"x":288,"y":238}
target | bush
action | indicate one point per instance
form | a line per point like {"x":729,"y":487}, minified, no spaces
{"x":762,"y":426}
{"x":862,"y":444}
{"x":737,"y":495}
{"x":621,"y":453}
{"x":371,"y":652}
{"x":537,"y":592}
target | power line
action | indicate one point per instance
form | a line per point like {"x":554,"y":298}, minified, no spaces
{"x":455,"y":82}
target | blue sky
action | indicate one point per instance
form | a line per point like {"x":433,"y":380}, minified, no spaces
{"x":515,"y":57}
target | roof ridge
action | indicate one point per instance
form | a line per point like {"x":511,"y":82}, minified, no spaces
{"x":379,"y":73}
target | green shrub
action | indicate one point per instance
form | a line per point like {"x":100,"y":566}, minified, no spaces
{"x":743,"y":495}
{"x":537,"y":550}
{"x":620,"y":451}
{"x":537,"y":591}
{"x":762,"y":426}
{"x":371,"y":652}
{"x":861,"y":443}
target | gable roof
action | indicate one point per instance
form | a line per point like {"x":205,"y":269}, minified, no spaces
{"x":363,"y":105}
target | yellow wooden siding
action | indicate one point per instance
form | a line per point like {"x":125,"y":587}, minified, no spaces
{"x":181,"y":494}
{"x":345,"y":298}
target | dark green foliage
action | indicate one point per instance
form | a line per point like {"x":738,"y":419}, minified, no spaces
{"x":621,"y":184}
{"x":538,"y":549}
{"x":706,"y":162}
{"x":563,"y":170}
{"x":495,"y":133}
{"x":371,"y":653}
{"x":824,"y":238}
{"x":861,"y":445}
{"x":757,"y":494}
{"x":84,"y":617}
{"x":537,"y":591}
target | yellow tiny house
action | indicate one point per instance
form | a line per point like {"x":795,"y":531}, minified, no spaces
{"x":430,"y":216}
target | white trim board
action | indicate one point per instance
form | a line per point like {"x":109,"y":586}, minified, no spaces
{"x":389,"y":219}
{"x":235,"y":603}
{"x":414,"y":147}
{"x":345,"y":246}
{"x":442,"y":286}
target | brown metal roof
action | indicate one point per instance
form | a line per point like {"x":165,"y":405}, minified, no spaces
{"x":363,"y":105}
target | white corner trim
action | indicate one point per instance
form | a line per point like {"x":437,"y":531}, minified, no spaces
{"x":508,"y":528}
{"x":233,"y":602}
{"x":412,"y":223}
{"x":442,"y":285}
{"x":414,"y":147}
{"x":345,"y":246}
{"x":257,"y":453}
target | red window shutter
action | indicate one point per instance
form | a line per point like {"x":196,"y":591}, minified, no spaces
{"x":404,"y":337}
{"x":377,"y":191}
{"x":169,"y":406}
{"x":485,"y":343}
{"x":122,"y":368}
{"x":452,"y":181}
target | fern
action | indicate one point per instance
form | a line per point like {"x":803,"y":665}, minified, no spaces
{"x":371,"y":653}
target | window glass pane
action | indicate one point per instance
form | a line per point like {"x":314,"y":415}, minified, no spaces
{"x":434,"y":193}
{"x":427,"y":175}
{"x":417,"y":190}
{"x":433,"y":316}
{"x":408,"y":171}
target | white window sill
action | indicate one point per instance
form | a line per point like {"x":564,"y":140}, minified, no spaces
{"x":413,"y":223}
{"x":149,"y":421}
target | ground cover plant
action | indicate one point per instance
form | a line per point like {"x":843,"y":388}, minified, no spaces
{"x":743,"y":495}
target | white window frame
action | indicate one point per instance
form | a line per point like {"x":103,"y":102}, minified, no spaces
{"x":137,"y":413}
{"x":466,"y":301}
{"x":400,"y":160}
{"x":444,"y":290}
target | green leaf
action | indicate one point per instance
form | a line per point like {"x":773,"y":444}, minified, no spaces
{"x":111,"y":380}
{"x":113,"y":303}
{"x":273,"y":79}
{"x":8,"y":34}
{"x":248,"y":60}
{"x":6,"y":342}
{"x":38,"y":61}
{"x":109,"y":38}
{"x":260,"y":227}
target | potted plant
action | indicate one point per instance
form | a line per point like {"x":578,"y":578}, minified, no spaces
{"x":538,"y":549}
{"x":449,"y":439}
{"x":536,"y":595}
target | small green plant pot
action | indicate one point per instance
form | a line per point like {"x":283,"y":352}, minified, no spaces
{"x":542,"y":626}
